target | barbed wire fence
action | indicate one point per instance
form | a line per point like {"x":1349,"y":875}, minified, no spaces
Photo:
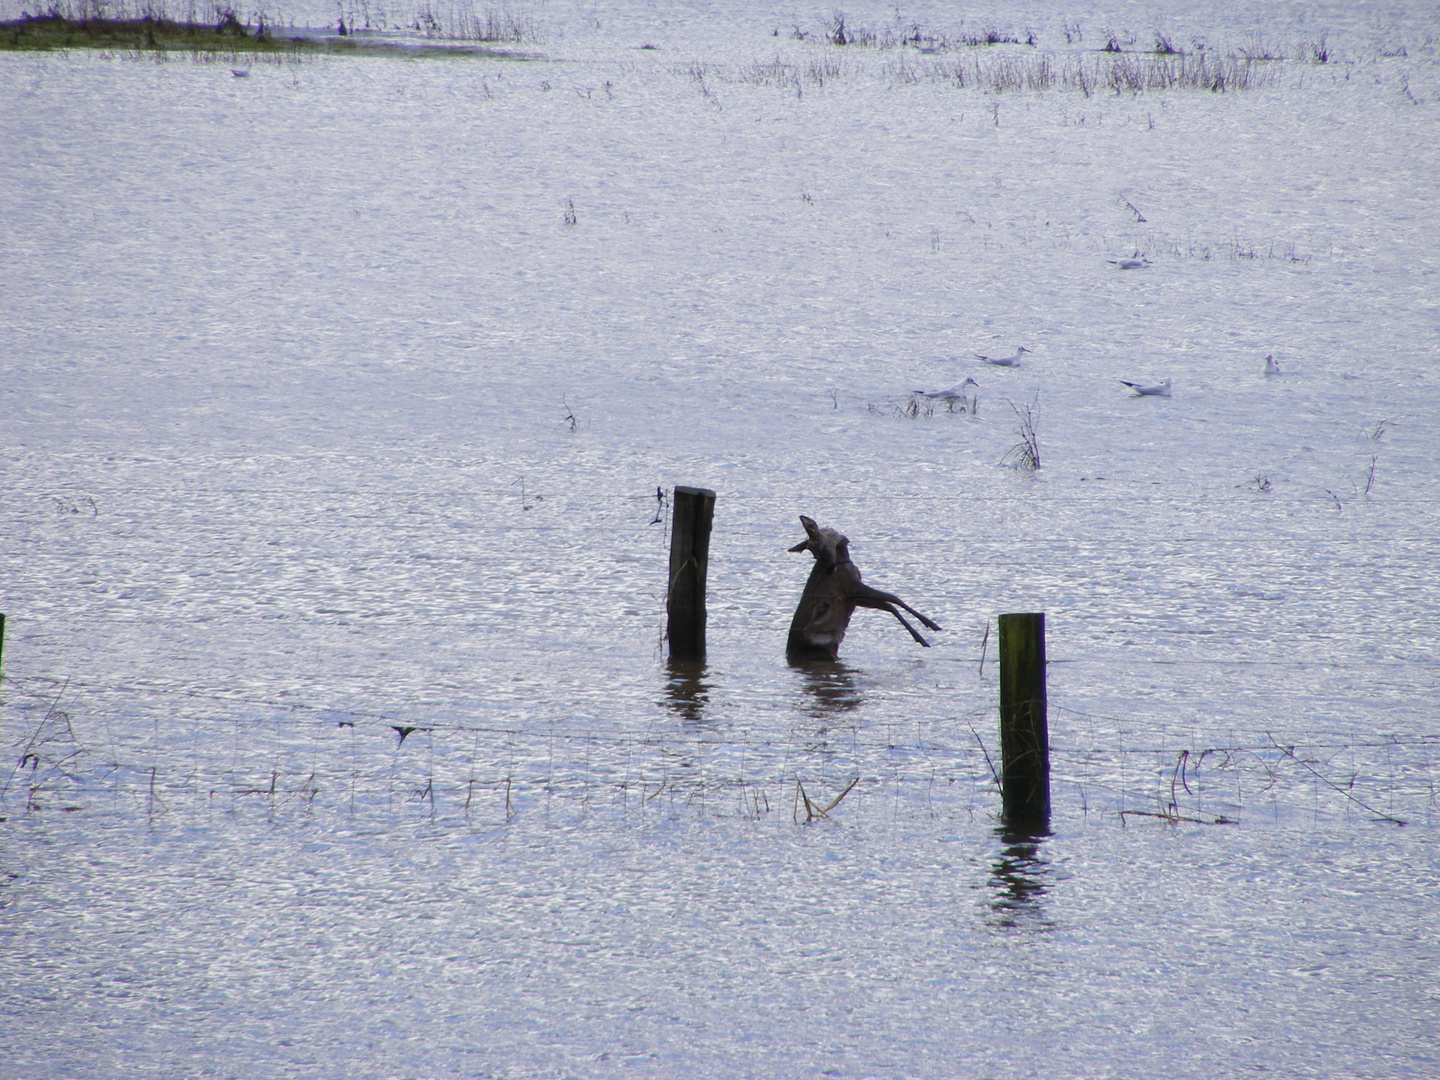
{"x":171,"y":752}
{"x":174,"y":754}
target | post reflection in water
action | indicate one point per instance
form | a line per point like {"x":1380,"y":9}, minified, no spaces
{"x":1019,"y":879}
{"x":687,"y":693}
{"x":830,"y":686}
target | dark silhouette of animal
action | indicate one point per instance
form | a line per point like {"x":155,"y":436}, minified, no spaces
{"x":831,"y":596}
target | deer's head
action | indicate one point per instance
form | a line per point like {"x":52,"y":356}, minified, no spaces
{"x":829,"y":546}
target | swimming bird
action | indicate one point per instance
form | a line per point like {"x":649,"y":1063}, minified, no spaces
{"x":1271,"y":367}
{"x":950,"y":392}
{"x":240,"y":73}
{"x":1158,"y":390}
{"x":1004,"y":361}
{"x":1129,"y":264}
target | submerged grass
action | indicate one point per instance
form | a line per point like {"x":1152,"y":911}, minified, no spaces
{"x":1010,"y":72}
{"x":1117,"y":73}
{"x":462,"y":22}
{"x":997,"y":60}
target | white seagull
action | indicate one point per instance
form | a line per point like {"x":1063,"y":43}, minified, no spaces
{"x":1158,"y":390}
{"x":1271,"y":367}
{"x":1129,"y":264}
{"x":1004,"y":361}
{"x":950,"y":393}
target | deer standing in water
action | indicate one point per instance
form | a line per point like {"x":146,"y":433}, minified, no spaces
{"x":831,"y":596}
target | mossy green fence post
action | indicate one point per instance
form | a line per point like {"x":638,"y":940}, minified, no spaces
{"x":1024,"y":729}
{"x":693,"y":510}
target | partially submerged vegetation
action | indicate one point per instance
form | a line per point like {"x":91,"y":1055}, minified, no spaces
{"x":837,"y":29}
{"x":1016,"y":70}
{"x":54,"y":30}
{"x":996,"y":59}
{"x":151,"y":29}
{"x":1001,"y":61}
{"x":1104,"y":72}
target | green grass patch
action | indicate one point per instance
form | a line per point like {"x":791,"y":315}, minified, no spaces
{"x":227,"y":35}
{"x":42,"y":33}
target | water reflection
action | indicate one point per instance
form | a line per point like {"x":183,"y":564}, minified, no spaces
{"x":830,"y":686}
{"x":1019,"y":879}
{"x":687,"y":693}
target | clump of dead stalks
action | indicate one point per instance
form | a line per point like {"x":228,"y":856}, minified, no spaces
{"x":1024,"y":455}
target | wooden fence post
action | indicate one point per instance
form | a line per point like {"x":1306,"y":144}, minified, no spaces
{"x":693,"y":510}
{"x":1024,"y":730}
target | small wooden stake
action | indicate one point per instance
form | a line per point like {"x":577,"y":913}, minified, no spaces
{"x":1024,"y":730}
{"x":693,"y":510}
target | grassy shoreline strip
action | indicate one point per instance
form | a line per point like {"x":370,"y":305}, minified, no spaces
{"x":49,"y":32}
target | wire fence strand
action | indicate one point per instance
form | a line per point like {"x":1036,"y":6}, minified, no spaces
{"x":238,"y":754}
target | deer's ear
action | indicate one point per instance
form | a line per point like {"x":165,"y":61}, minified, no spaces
{"x":812,"y":531}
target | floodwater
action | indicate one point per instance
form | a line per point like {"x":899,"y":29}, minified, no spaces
{"x":339,"y":737}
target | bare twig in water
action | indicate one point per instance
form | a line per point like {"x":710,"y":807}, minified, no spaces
{"x":1131,"y":206}
{"x":1177,"y":776}
{"x":1289,"y":751}
{"x":836,"y":801}
{"x":1163,"y":816}
{"x":812,"y":810}
{"x":30,"y":754}
{"x":994,"y":772}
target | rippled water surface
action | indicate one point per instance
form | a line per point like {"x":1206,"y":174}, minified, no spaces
{"x":339,"y":733}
